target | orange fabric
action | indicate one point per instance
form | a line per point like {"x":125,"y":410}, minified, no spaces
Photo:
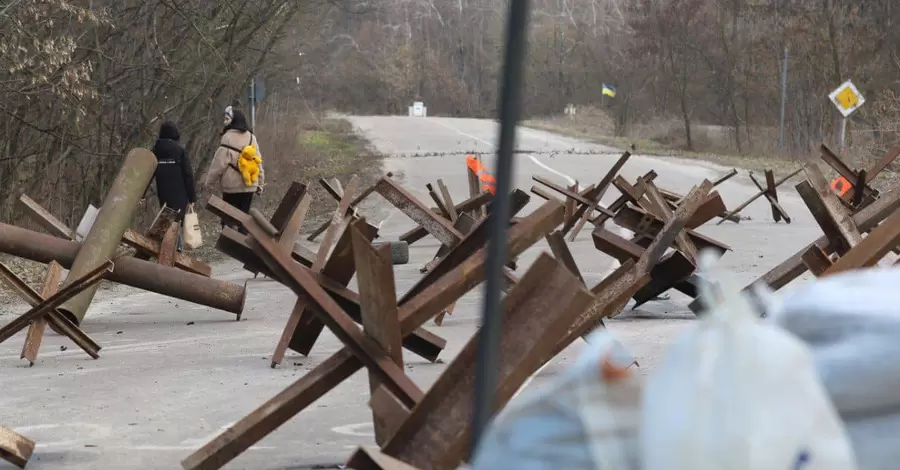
{"x":488,"y":182}
{"x":841,"y":186}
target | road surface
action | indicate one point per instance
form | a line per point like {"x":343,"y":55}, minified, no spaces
{"x":173,"y":375}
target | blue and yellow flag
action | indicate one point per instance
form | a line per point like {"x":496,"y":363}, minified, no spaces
{"x":609,"y":90}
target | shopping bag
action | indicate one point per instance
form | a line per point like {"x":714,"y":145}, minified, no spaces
{"x":738,"y":392}
{"x":191,"y":236}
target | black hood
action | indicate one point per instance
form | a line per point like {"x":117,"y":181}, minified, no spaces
{"x":168,"y":130}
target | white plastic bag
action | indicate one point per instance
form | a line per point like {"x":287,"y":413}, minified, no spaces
{"x":851,"y":322}
{"x":734,"y":393}
{"x":586,"y":418}
{"x":190,"y":234}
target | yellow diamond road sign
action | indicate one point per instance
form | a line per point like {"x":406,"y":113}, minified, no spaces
{"x":847,"y":98}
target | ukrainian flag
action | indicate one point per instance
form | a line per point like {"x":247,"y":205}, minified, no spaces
{"x":609,"y":90}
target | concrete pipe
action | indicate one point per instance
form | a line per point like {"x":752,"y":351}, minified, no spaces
{"x":146,"y":275}
{"x":112,"y":220}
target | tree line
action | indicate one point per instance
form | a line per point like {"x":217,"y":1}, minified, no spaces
{"x":83,"y":81}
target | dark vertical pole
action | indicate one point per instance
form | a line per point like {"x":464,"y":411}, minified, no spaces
{"x":489,"y":336}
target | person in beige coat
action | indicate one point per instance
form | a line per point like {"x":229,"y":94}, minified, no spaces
{"x":224,"y":171}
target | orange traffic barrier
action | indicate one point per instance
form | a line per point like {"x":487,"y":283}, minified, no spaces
{"x":487,"y":181}
{"x":841,"y":186}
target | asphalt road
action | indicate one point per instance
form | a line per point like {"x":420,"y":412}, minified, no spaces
{"x":173,"y":375}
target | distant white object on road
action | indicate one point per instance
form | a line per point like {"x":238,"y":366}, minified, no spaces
{"x":418,"y":109}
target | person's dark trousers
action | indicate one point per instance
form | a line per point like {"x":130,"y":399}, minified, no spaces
{"x":240,"y":200}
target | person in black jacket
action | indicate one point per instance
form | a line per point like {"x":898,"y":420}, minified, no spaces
{"x":174,"y":174}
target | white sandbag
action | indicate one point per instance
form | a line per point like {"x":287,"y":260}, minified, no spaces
{"x":851,"y":322}
{"x":736,"y":393}
{"x":585,"y":419}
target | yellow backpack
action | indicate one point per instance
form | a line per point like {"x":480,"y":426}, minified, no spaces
{"x":247,"y":151}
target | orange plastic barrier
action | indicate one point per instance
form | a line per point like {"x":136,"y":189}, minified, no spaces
{"x":487,"y":181}
{"x":841,"y":186}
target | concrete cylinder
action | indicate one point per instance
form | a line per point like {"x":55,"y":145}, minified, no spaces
{"x":115,"y":216}
{"x":146,"y":275}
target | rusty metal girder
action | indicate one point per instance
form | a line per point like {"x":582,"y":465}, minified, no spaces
{"x":537,"y":312}
{"x":881,"y":240}
{"x":428,"y":302}
{"x":58,"y":321}
{"x":792,"y":267}
{"x":368,"y":459}
{"x":583,"y":213}
{"x":16,"y":448}
{"x":439,"y":227}
{"x":35,"y":335}
{"x":144,"y":245}
{"x":633,"y":219}
{"x":142,"y":274}
{"x":329,"y":312}
{"x":380,"y":319}
{"x":467,"y":206}
{"x":421,"y":342}
{"x":839,"y":213}
{"x":76,"y":286}
{"x":734,"y":212}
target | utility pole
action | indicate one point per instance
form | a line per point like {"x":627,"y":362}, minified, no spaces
{"x":253,"y":103}
{"x":784,"y":74}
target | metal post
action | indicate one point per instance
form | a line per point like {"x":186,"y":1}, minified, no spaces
{"x":843,"y":133}
{"x":784,"y":74}
{"x":253,"y":103}
{"x":114,"y":218}
{"x":489,"y":336}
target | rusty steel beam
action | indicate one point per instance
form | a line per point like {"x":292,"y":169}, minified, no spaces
{"x":792,"y":267}
{"x":439,"y":227}
{"x":288,"y":206}
{"x":421,"y":342}
{"x":583,"y":213}
{"x":734,"y":212}
{"x":842,"y":217}
{"x":113,"y":219}
{"x":822,"y":216}
{"x":144,"y":245}
{"x":335,"y":318}
{"x":881,"y":240}
{"x":16,"y":448}
{"x":58,"y":321}
{"x":842,"y":169}
{"x":570,"y":194}
{"x":469,"y":205}
{"x":643,"y":223}
{"x":369,"y":459}
{"x":682,"y":241}
{"x":142,"y":274}
{"x":462,"y":278}
{"x":35,"y":335}
{"x":816,"y":260}
{"x":536,"y":313}
{"x":447,"y":200}
{"x":378,"y":303}
{"x":53,"y":302}
{"x":45,"y":219}
{"x":362,"y":196}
